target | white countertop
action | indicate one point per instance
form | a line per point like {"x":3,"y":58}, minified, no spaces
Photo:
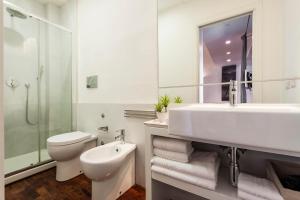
{"x":156,"y":123}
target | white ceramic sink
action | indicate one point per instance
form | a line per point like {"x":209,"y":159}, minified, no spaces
{"x":259,"y":125}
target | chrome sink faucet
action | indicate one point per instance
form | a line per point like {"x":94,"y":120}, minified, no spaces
{"x":121,"y":137}
{"x":233,"y":92}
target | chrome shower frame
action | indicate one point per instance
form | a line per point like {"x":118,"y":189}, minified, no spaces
{"x":28,"y":14}
{"x":16,"y":13}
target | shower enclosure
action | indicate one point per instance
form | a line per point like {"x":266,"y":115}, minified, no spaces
{"x":37,"y":87}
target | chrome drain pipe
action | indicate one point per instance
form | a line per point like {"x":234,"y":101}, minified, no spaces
{"x":234,"y":166}
{"x":233,"y":154}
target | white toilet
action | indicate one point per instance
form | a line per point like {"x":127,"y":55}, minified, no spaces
{"x":66,"y":149}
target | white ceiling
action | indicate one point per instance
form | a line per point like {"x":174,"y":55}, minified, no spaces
{"x":165,"y":4}
{"x":56,"y":2}
{"x":215,"y":35}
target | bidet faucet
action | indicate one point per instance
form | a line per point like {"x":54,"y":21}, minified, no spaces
{"x":121,"y":137}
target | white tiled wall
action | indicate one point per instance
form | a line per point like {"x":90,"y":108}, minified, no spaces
{"x":1,"y":115}
{"x":121,"y":48}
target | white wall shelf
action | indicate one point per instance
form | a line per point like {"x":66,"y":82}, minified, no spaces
{"x":156,"y":128}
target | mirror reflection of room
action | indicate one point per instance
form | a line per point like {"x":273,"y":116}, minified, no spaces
{"x":226,"y":54}
{"x":266,"y":55}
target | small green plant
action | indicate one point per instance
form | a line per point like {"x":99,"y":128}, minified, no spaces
{"x":159,"y":107}
{"x":178,"y":99}
{"x":165,"y":101}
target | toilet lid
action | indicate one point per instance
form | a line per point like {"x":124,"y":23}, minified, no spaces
{"x":68,"y":138}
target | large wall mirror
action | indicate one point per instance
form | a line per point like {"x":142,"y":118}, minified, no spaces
{"x":204,"y":43}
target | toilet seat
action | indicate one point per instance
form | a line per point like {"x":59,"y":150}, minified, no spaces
{"x":68,"y":138}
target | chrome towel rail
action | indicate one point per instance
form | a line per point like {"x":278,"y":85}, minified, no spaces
{"x":142,"y":114}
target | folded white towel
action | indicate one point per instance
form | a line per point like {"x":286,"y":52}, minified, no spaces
{"x":246,"y":196}
{"x":202,"y":164}
{"x":258,"y":187}
{"x":202,"y":182}
{"x":176,"y":156}
{"x":171,"y":144}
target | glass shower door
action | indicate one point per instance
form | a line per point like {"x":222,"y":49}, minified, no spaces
{"x":55,"y":84}
{"x":21,"y":61}
{"x":37,"y":89}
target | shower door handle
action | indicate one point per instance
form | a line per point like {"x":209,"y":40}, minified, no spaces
{"x":27,"y":85}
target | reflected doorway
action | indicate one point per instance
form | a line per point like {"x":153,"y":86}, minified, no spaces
{"x":226,"y":45}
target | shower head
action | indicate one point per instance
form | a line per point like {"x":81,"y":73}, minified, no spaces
{"x":16,"y":13}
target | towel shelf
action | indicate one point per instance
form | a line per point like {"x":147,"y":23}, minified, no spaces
{"x":253,"y":163}
{"x":224,"y":190}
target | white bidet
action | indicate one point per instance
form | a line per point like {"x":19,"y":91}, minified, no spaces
{"x":111,"y":167}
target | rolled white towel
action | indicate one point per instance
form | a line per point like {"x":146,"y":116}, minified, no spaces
{"x":246,"y":196}
{"x":198,"y":181}
{"x":202,"y":164}
{"x":259,"y":187}
{"x":171,"y":144}
{"x":176,"y":156}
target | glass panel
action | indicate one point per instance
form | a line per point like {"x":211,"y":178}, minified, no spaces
{"x":38,"y":88}
{"x":187,"y":94}
{"x":20,"y":90}
{"x":276,"y":92}
{"x":270,"y":92}
{"x":55,"y":84}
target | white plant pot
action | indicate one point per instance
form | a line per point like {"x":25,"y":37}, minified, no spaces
{"x":162,"y":116}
